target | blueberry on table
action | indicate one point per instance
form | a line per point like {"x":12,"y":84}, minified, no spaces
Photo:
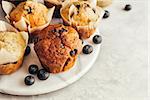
{"x":27,"y":51}
{"x":106,"y":14}
{"x":128,"y":7}
{"x":42,"y":74}
{"x":97,"y":39}
{"x":29,"y":80}
{"x":33,"y":69}
{"x":87,"y":49}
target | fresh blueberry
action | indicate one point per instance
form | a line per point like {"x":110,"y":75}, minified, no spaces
{"x":73,"y":52}
{"x":27,"y":51}
{"x":97,"y":39}
{"x":42,"y":74}
{"x":106,"y":14}
{"x":87,"y":49}
{"x":82,"y":41}
{"x":29,"y":80}
{"x":33,"y":69}
{"x":128,"y":7}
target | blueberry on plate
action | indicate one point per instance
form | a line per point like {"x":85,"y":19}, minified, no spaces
{"x":97,"y":39}
{"x":128,"y":7}
{"x":27,"y":51}
{"x":73,"y":52}
{"x":29,"y":80}
{"x":87,"y":49}
{"x":106,"y":14}
{"x":42,"y":74}
{"x":33,"y":69}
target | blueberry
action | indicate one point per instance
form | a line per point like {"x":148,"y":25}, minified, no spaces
{"x":128,"y":7}
{"x":78,"y":6}
{"x":42,"y":74}
{"x":106,"y":14}
{"x":87,"y":49}
{"x":82,"y":42}
{"x":97,"y":39}
{"x":27,"y":51}
{"x":29,"y":80}
{"x":73,"y":52}
{"x":33,"y":69}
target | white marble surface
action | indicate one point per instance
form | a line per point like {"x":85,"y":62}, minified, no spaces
{"x":120,"y":72}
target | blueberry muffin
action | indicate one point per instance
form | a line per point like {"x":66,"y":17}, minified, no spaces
{"x":83,"y":16}
{"x":12,"y":48}
{"x":28,"y":16}
{"x":57,"y":47}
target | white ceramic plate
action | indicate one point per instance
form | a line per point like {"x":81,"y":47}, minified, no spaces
{"x":14,"y":83}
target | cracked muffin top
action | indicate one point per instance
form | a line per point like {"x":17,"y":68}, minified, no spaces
{"x":57,"y":47}
{"x":80,"y":13}
{"x":35,"y":13}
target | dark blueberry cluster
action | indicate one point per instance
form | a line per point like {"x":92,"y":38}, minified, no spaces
{"x":59,"y":31}
{"x":87,"y":49}
{"x":42,"y":74}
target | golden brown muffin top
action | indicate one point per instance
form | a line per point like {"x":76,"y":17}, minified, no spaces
{"x":80,"y":13}
{"x":35,"y":13}
{"x":54,"y":46}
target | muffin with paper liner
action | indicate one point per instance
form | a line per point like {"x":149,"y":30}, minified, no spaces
{"x":28,"y":16}
{"x":83,"y":16}
{"x":12,"y":48}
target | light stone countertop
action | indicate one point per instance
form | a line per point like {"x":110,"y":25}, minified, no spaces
{"x":120,"y":72}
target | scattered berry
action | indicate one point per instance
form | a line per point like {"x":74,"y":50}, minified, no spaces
{"x":87,"y":49}
{"x":128,"y":7}
{"x":42,"y":74}
{"x":27,"y":51}
{"x":97,"y":39}
{"x":33,"y":69}
{"x":73,"y":52}
{"x":107,"y":14}
{"x":29,"y":80}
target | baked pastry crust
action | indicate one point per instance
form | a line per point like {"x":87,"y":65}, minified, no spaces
{"x":54,"y":45}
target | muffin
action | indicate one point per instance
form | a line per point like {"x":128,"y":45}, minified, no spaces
{"x":12,"y":48}
{"x":58,"y":4}
{"x":58,"y":47}
{"x":83,"y":16}
{"x":103,"y":3}
{"x":28,"y":15}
